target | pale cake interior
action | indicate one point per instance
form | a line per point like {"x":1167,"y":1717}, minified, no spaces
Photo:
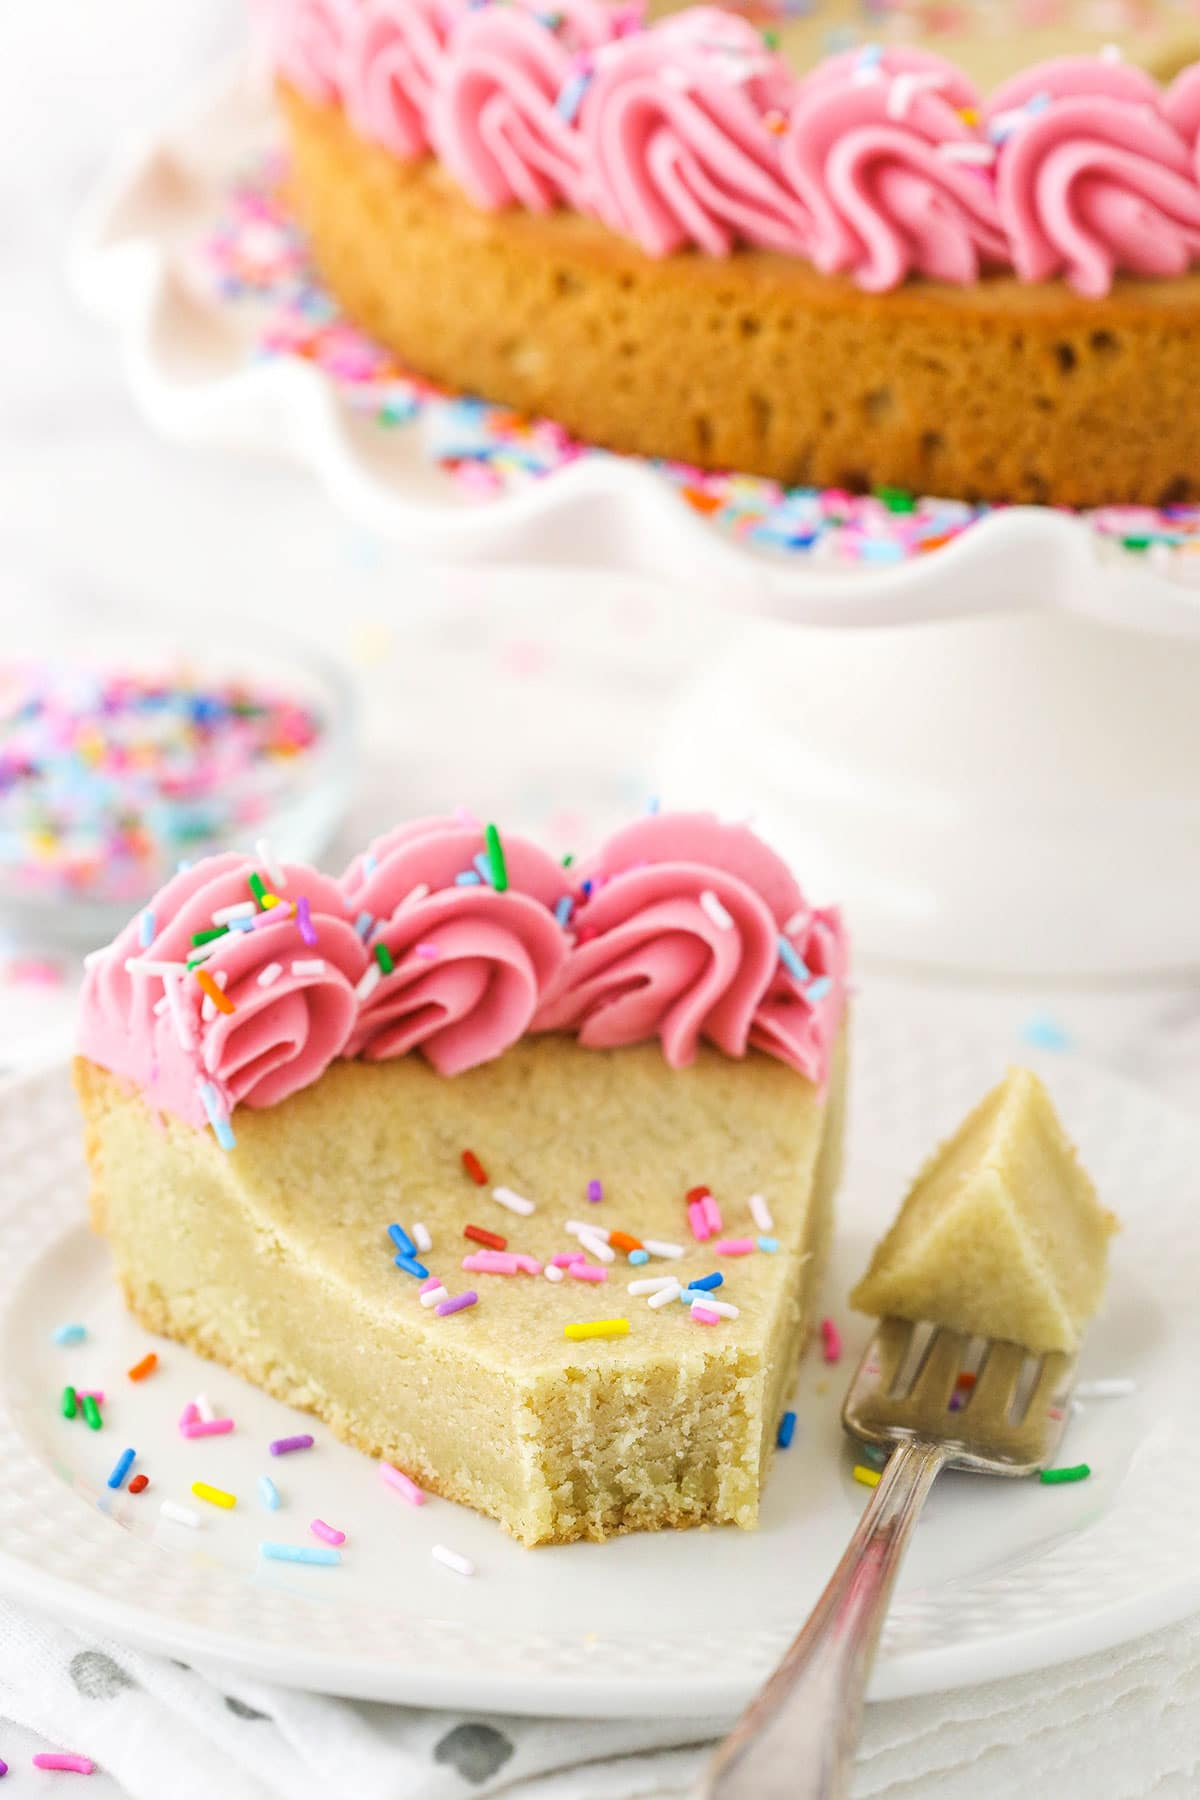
{"x":1001,"y":1234}
{"x":274,"y":1259}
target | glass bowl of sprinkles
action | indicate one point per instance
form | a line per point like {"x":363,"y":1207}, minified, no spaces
{"x":123,"y":755}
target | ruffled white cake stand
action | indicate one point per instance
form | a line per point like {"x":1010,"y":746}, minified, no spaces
{"x":989,"y":752}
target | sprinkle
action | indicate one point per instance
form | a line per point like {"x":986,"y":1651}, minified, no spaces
{"x":363,"y":925}
{"x":665,"y":1294}
{"x":403,"y":1484}
{"x":313,"y":965}
{"x":189,"y":1415}
{"x":217,"y":1117}
{"x":257,"y":887}
{"x":421,"y":1237}
{"x":383,"y":957}
{"x":793,"y":962}
{"x":712,"y":1214}
{"x":565,"y":1258}
{"x":552,"y":1272}
{"x":468,"y":878}
{"x":1114,"y":1387}
{"x":966,"y":1379}
{"x":474,"y":1168}
{"x":61,"y":1759}
{"x":868,"y":1477}
{"x":402,"y":1240}
{"x":180,"y":1018}
{"x":213,"y":992}
{"x":147,"y":1366}
{"x":596,"y":1246}
{"x":638,"y":1257}
{"x":579,"y":1228}
{"x":708,"y":1282}
{"x":368,"y":982}
{"x":270,"y":975}
{"x":411,"y":1266}
{"x":146,"y":929}
{"x":734,"y":1246}
{"x":698,"y":1221}
{"x":228,"y":915}
{"x":208,"y":937}
{"x":328,"y":1534}
{"x":980,"y":156}
{"x":570,"y":95}
{"x":769,"y":1244}
{"x":720,"y":916}
{"x":214,"y":1495}
{"x":787,"y":1431}
{"x":484,"y":868}
{"x":204,"y":1407}
{"x":597,"y":1328}
{"x":300,"y":1553}
{"x":97,"y":1394}
{"x":563,"y":909}
{"x":585,"y":1271}
{"x":1044,"y":1032}
{"x":704,"y":1315}
{"x":121,"y":1469}
{"x":657,"y":1247}
{"x":432,"y":1295}
{"x":760,"y":1212}
{"x":69,"y":1403}
{"x":462,"y":1565}
{"x":816,"y":991}
{"x":724,"y":1309}
{"x":621,"y":1240}
{"x":70,"y":1334}
{"x":460,"y":1301}
{"x":180,"y":1515}
{"x":268,"y":1493}
{"x":831,"y":1341}
{"x":652,"y":1284}
{"x":1057,"y":1477}
{"x":594,"y":1191}
{"x":513,"y":1202}
{"x":491,"y":1240}
{"x":491,"y":1262}
{"x":497,"y":870}
{"x":205,"y":1428}
{"x":91,"y":1414}
{"x":139,"y":1484}
{"x":696,"y":1194}
{"x":285,"y":1446}
{"x":307,"y":929}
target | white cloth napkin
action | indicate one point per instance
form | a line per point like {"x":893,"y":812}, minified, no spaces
{"x":1121,"y":1725}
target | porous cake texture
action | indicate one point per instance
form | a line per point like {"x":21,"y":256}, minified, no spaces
{"x":997,"y":390}
{"x":274,"y":1259}
{"x":1001,"y":1234}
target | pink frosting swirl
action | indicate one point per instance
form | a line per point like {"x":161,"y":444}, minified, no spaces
{"x":1181,"y":106}
{"x":680,"y":939}
{"x":497,"y":122}
{"x":470,"y":964}
{"x":677,"y":126}
{"x":392,"y":65}
{"x":292,"y":995}
{"x":894,"y":177}
{"x":308,"y":42}
{"x":1092,"y":177}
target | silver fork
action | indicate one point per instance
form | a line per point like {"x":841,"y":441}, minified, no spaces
{"x":796,"y":1740}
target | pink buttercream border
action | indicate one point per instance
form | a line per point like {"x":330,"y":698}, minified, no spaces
{"x":881,"y":164}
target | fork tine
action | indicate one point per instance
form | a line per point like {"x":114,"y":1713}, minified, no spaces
{"x":939,"y":1370}
{"x":890,"y":1344}
{"x":996,"y":1382}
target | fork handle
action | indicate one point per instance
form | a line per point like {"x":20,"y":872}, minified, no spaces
{"x":796,"y":1740}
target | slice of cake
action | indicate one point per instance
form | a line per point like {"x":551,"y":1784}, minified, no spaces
{"x":1001,"y":1234}
{"x":564,"y":1083}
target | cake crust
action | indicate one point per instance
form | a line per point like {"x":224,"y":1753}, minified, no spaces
{"x":1000,"y":390}
{"x":273,"y":1261}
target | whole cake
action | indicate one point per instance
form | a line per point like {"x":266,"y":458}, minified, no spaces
{"x":518,"y":1175}
{"x":661,"y":235}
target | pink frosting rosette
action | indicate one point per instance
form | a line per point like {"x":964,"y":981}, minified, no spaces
{"x":1181,"y":106}
{"x":678,"y":128}
{"x":308,"y":41}
{"x":470,"y":964}
{"x":393,"y":60}
{"x":499,"y":122}
{"x":895,"y":179}
{"x":289,"y":982}
{"x":680,"y":938}
{"x":1093,"y":178}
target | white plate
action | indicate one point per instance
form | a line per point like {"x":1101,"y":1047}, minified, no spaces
{"x":192,"y":365}
{"x":1001,"y":1578}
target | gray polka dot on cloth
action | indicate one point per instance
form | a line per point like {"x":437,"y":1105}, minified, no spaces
{"x":474,"y":1751}
{"x":98,"y":1677}
{"x":240,"y":1710}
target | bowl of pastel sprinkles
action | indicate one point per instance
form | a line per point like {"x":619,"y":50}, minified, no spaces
{"x":121,"y":760}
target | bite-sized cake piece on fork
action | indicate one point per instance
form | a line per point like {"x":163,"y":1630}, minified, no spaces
{"x":554,"y":1086}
